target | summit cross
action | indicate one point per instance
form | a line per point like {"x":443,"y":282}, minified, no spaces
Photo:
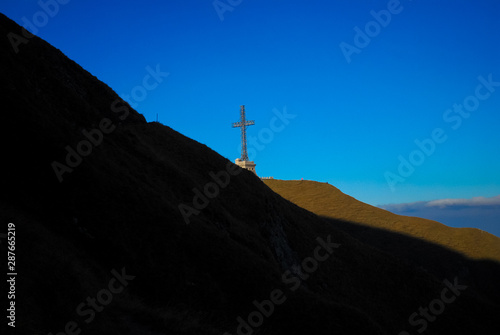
{"x":243,"y":124}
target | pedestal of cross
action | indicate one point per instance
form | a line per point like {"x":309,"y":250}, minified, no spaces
{"x":243,"y":124}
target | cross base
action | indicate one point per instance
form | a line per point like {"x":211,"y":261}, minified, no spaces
{"x":250,"y":166}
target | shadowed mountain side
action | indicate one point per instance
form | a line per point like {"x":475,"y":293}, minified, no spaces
{"x":327,"y":200}
{"x":118,"y":209}
{"x":372,"y":226}
{"x":480,"y":275}
{"x":48,"y":101}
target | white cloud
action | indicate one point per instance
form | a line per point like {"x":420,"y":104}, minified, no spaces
{"x":477,"y":201}
{"x":404,"y":207}
{"x":478,"y":212}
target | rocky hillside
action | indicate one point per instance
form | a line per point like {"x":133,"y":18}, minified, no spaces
{"x":119,"y":230}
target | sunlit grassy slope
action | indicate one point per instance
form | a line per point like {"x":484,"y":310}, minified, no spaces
{"x":327,"y":200}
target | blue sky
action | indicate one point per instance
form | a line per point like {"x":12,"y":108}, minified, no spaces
{"x":355,"y":117}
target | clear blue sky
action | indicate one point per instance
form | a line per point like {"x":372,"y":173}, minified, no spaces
{"x":353,"y":119}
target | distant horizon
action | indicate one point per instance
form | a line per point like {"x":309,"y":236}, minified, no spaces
{"x":481,"y":213}
{"x":392,"y":102}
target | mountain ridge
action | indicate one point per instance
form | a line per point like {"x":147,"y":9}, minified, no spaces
{"x":327,"y":200}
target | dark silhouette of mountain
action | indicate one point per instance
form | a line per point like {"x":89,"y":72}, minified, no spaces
{"x":96,"y":195}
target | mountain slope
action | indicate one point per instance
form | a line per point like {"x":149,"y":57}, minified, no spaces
{"x":326,"y":200}
{"x":116,"y":218}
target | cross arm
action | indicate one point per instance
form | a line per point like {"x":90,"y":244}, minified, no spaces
{"x":241,"y":124}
